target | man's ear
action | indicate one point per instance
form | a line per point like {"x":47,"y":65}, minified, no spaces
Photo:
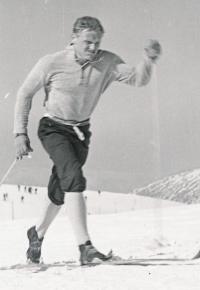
{"x":74,"y":38}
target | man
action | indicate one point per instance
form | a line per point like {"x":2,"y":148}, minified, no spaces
{"x":73,"y":80}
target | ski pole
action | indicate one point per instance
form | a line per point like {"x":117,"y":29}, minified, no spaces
{"x":13,"y":164}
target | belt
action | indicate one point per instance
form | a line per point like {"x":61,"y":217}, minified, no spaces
{"x":74,"y":125}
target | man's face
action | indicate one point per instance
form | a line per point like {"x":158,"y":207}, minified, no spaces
{"x":87,"y":44}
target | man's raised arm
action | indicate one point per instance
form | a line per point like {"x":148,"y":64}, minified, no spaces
{"x":141,"y":74}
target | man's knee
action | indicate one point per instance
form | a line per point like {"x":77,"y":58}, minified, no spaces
{"x":74,"y":181}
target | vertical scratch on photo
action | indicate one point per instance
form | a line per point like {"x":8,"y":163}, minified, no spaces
{"x":63,"y":20}
{"x":46,"y":2}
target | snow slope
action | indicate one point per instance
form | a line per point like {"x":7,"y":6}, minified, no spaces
{"x":183,"y":187}
{"x":105,"y":203}
{"x":172,"y":232}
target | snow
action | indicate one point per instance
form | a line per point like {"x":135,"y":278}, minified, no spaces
{"x":105,"y":203}
{"x":181,"y":187}
{"x":164,"y":232}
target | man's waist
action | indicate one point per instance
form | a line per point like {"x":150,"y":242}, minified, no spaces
{"x":72,"y":123}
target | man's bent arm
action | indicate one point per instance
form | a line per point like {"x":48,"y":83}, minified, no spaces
{"x":33,"y":83}
{"x":136,"y":76}
{"x":141,"y":74}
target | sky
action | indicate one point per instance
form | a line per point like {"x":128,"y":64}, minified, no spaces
{"x":138,"y":134}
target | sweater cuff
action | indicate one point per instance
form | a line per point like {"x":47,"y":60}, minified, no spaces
{"x":20,"y":131}
{"x":21,"y":134}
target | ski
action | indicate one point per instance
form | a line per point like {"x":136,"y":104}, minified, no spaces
{"x":153,"y":262}
{"x":69,"y":265}
{"x":39,"y":266}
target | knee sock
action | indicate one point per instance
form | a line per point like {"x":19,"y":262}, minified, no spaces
{"x":77,"y":213}
{"x":49,"y":213}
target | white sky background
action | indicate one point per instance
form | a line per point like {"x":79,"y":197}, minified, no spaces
{"x":123,"y":150}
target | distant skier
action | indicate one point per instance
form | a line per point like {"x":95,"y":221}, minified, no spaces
{"x":73,"y":80}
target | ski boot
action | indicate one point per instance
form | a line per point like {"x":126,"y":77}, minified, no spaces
{"x":33,"y":253}
{"x":89,"y":253}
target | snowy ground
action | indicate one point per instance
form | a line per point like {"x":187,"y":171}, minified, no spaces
{"x":164,"y":233}
{"x":103,"y":203}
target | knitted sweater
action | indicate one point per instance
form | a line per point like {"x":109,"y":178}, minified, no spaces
{"x":72,"y":91}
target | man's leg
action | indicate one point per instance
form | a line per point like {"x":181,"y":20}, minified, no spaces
{"x":36,"y":233}
{"x":77,"y":213}
{"x":49,"y":213}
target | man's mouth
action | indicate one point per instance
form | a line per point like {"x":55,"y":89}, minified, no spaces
{"x":91,"y":52}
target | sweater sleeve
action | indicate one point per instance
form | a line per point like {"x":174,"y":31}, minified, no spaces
{"x":136,"y":76}
{"x":36,"y":79}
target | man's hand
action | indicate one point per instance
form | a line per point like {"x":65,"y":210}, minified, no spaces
{"x":22,"y":144}
{"x":153,"y":49}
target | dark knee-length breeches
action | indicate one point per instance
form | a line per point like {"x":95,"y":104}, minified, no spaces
{"x":68,"y":154}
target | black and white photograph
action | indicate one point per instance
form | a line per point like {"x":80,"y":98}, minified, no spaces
{"x":100,"y":144}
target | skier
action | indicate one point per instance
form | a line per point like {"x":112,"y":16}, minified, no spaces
{"x":73,"y":80}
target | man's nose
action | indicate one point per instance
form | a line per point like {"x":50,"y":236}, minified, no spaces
{"x":92,"y":47}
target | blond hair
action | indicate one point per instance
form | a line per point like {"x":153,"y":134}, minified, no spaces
{"x":87,"y":23}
